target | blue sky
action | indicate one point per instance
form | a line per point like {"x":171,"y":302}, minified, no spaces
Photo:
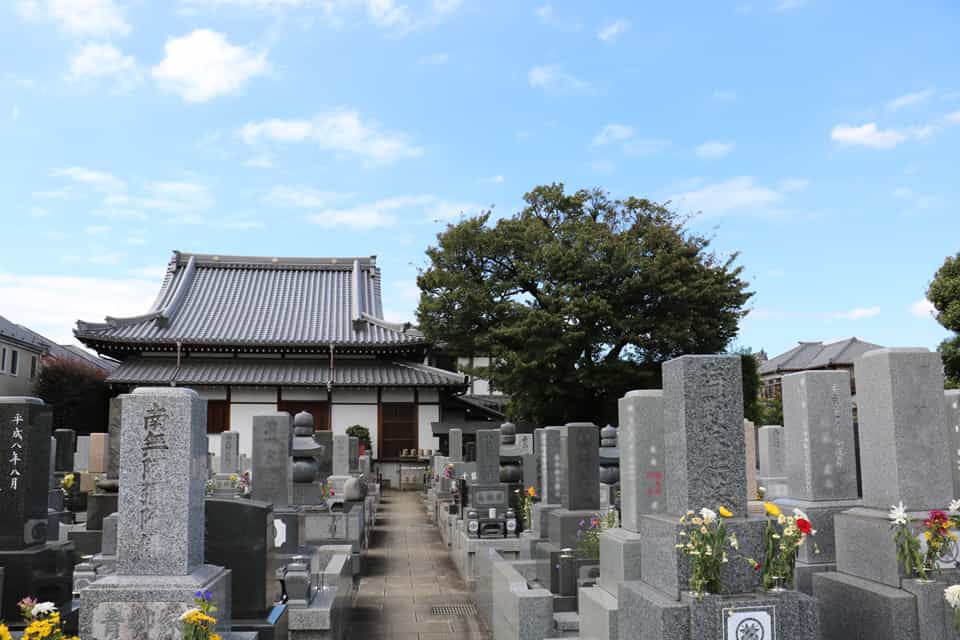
{"x":816,"y":138}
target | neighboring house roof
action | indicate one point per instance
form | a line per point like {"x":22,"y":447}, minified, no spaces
{"x":244,"y":301}
{"x":286,"y":372}
{"x":817,"y":355}
{"x":32,"y":340}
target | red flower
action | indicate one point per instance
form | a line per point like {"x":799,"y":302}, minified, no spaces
{"x":756,"y":566}
{"x":804,"y":526}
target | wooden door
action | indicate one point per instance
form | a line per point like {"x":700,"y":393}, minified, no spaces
{"x":398,"y":428}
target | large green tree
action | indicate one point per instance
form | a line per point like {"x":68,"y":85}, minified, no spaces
{"x":78,"y":393}
{"x":577,"y":298}
{"x":944,"y":294}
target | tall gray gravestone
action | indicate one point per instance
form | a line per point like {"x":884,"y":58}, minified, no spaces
{"x":81,"y":459}
{"x":705,"y":467}
{"x":160,"y":538}
{"x":229,"y":452}
{"x":951,"y":399}
{"x":750,"y":442}
{"x":341,"y":455}
{"x":773,"y":461}
{"x":904,"y":453}
{"x":580,"y":477}
{"x":487,"y":492}
{"x":820,"y":460}
{"x":28,"y":563}
{"x":271,"y":476}
{"x":114,"y":425}
{"x":550,"y":486}
{"x":456,"y":445}
{"x":66,"y":447}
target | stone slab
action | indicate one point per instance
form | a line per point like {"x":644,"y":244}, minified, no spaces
{"x":488,"y":456}
{"x":642,"y":488}
{"x":599,"y":614}
{"x":786,"y":615}
{"x":66,"y":449}
{"x":864,"y":545}
{"x":230,"y":452}
{"x":619,"y":558}
{"x":852,"y":608}
{"x":580,"y":465}
{"x":81,"y":459}
{"x":951,"y":398}
{"x":25,"y":452}
{"x":821,"y":515}
{"x":271,"y":473}
{"x":773,"y":461}
{"x":163,"y":450}
{"x":666,"y":569}
{"x":564,"y":524}
{"x":646,"y":613}
{"x":703,"y":418}
{"x":98,"y":460}
{"x":548,"y":452}
{"x":904,"y":450}
{"x":934,"y":615}
{"x":114,"y":427}
{"x":455,"y":445}
{"x":821,"y":461}
{"x":40,"y":569}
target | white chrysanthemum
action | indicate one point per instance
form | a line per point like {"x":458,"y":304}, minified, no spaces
{"x":43,"y":609}
{"x":954,"y":507}
{"x":797,"y":513}
{"x":898,"y":513}
{"x":189,"y":612}
{"x":952,"y":595}
{"x":709,"y":515}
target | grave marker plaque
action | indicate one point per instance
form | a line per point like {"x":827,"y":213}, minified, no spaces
{"x":24,"y":471}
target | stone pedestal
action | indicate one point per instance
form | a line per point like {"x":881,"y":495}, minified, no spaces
{"x":564,"y":524}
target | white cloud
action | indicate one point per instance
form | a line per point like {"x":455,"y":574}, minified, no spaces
{"x":263,"y":161}
{"x":546,"y":13}
{"x":97,"y":62}
{"x":953,"y":118}
{"x":66,"y":299}
{"x":433,"y":58}
{"x":859,"y":313}
{"x":305,"y":197}
{"x":788,"y":185}
{"x":612,"y":133}
{"x":178,"y":197}
{"x":553,"y":80}
{"x":203,"y":65}
{"x":613,"y":30}
{"x":497,"y":179}
{"x":730,"y":196}
{"x":867,"y":135}
{"x":910,"y":99}
{"x":96,"y":230}
{"x":15,"y":112}
{"x":91,"y":18}
{"x":790,"y":5}
{"x":715,"y":149}
{"x":625,"y":136}
{"x":917,"y":200}
{"x":99,"y":180}
{"x":923,"y":308}
{"x":339,"y":129}
{"x":386,"y":212}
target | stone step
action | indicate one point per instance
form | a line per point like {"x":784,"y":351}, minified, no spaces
{"x":567,"y":621}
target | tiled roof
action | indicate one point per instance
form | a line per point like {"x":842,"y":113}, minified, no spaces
{"x":285,"y":372}
{"x":262,"y":302}
{"x":13,"y":331}
{"x":816,"y":355}
{"x":47,"y":347}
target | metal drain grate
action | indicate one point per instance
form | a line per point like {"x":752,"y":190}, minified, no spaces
{"x":454,"y":610}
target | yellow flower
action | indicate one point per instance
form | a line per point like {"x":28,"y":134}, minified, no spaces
{"x":531,"y":491}
{"x":772,"y":509}
{"x":726,"y":513}
{"x":5,"y":633}
{"x":927,"y":535}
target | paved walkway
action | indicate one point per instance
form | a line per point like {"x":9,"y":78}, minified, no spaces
{"x":407,"y":571}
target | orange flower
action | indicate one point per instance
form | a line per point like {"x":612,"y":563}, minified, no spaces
{"x":531,"y":492}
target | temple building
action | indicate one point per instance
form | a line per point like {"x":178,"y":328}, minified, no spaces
{"x":256,"y":334}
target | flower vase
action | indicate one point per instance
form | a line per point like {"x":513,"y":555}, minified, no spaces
{"x":776,"y":584}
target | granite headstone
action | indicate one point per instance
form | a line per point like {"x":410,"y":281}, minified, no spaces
{"x":230,"y":452}
{"x":271,"y":479}
{"x":642,"y":487}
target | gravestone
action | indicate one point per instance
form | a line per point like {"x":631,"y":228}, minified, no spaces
{"x":81,"y":459}
{"x":66,"y":447}
{"x":29,"y":563}
{"x":456,"y":445}
{"x":773,"y":462}
{"x":160,"y":540}
{"x":821,"y":461}
{"x":952,"y":403}
{"x":705,"y":465}
{"x":114,"y":425}
{"x":750,"y":441}
{"x":354,"y":454}
{"x":580,"y":464}
{"x":271,"y":479}
{"x":341,"y":455}
{"x":487,"y":492}
{"x":240,"y":537}
{"x":905,"y":456}
{"x":99,"y":460}
{"x":229,"y":452}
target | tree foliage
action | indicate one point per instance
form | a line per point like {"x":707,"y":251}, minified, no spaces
{"x":77,"y":392}
{"x":577,"y":299}
{"x":944,"y":294}
{"x":751,"y":385}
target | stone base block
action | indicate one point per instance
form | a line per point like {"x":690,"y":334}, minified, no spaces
{"x":619,"y":558}
{"x":822,"y":515}
{"x":44,"y":572}
{"x":599,"y":613}
{"x":865,"y":546}
{"x":99,"y":506}
{"x":934,"y":615}
{"x":647,"y":614}
{"x":87,"y":542}
{"x":563,"y":526}
{"x":320,"y":526}
{"x":528,"y":545}
{"x":774,"y":486}
{"x":538,"y":515}
{"x":148,"y":607}
{"x":518,"y":611}
{"x":666,"y":569}
{"x":803,"y":574}
{"x":852,"y":608}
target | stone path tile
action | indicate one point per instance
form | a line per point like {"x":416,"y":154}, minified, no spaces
{"x":407,"y":570}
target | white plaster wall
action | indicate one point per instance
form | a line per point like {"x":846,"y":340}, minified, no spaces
{"x":399,"y":394}
{"x":300,"y":394}
{"x":355,"y":395}
{"x":429,"y":395}
{"x":241,"y":421}
{"x":347,"y":415}
{"x":241,"y":394}
{"x":481,"y":387}
{"x":426,"y":414}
